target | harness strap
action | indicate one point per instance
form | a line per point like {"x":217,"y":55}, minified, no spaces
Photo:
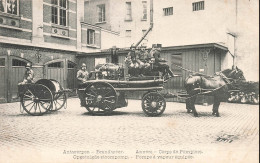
{"x":226,"y":79}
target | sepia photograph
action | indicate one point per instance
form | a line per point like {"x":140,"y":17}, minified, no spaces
{"x":105,"y":81}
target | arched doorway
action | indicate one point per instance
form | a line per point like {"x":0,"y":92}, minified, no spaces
{"x":62,"y":70}
{"x":12,"y":70}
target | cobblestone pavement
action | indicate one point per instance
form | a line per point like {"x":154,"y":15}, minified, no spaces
{"x":233,"y":137}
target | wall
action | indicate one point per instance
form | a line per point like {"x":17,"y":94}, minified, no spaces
{"x":91,"y":13}
{"x":23,"y":28}
{"x":187,"y":27}
{"x":70,"y":30}
{"x":29,"y":53}
{"x":248,"y":38}
{"x":136,"y":25}
{"x":109,"y":39}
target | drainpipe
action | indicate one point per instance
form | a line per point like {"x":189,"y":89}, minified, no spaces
{"x":151,"y":24}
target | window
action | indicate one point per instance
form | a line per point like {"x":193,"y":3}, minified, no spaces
{"x":144,"y":10}
{"x":55,"y":65}
{"x":196,"y":6}
{"x":128,"y":33}
{"x":59,"y":12}
{"x":71,"y":65}
{"x":16,"y":62}
{"x":9,"y":6}
{"x":128,"y":11}
{"x":90,"y":37}
{"x":168,"y":11}
{"x":2,"y":62}
{"x":101,"y":13}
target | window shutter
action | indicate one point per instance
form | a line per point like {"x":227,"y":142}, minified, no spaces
{"x":97,"y":39}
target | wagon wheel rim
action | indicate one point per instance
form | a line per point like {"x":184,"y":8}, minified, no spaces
{"x":37,"y":100}
{"x":59,"y":101}
{"x":100,"y":98}
{"x":153,"y":104}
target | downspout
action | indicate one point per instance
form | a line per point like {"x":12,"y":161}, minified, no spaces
{"x":151,"y":24}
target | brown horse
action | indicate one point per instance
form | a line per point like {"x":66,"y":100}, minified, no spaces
{"x":217,"y":86}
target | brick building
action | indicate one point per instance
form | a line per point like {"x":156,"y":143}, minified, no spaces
{"x":48,"y":34}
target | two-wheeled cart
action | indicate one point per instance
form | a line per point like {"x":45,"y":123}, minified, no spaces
{"x":41,"y":97}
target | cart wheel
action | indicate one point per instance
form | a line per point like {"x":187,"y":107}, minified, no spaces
{"x":153,"y":104}
{"x":100,"y":98}
{"x":59,"y":100}
{"x":37,"y":100}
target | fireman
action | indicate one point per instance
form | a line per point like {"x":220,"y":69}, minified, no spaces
{"x":28,"y":75}
{"x":82,"y":76}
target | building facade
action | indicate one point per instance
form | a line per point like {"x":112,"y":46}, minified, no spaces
{"x":130,"y":18}
{"x":49,"y":34}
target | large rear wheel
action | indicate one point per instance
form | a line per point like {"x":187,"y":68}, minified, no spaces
{"x":37,"y":100}
{"x":100,"y":98}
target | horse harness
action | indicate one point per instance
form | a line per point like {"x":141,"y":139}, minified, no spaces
{"x":223,"y":76}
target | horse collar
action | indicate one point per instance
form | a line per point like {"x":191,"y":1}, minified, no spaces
{"x":225,"y":78}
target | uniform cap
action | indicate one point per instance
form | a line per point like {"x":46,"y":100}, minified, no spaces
{"x":83,"y":65}
{"x":157,"y":45}
{"x":132,"y":47}
{"x":28,"y":65}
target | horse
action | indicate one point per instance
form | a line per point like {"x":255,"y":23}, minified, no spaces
{"x":217,"y":86}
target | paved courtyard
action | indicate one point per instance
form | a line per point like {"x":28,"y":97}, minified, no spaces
{"x":72,"y":135}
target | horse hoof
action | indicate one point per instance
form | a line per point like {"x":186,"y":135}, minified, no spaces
{"x":217,"y":115}
{"x":213,"y":113}
{"x":188,"y":110}
{"x":195,"y":115}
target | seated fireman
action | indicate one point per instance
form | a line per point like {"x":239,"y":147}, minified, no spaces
{"x":28,"y":75}
{"x":131,"y":61}
{"x":142,"y":58}
{"x":164,"y":68}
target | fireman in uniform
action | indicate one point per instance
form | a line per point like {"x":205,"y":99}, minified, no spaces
{"x":82,"y":76}
{"x":131,"y":61}
{"x":164,"y":68}
{"x":28,"y":75}
{"x":142,"y":59}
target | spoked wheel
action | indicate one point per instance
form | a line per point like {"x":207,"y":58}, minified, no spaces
{"x":59,"y":100}
{"x":153,"y":104}
{"x":37,"y":100}
{"x":100,"y":98}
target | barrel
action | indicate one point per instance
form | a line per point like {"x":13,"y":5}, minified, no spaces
{"x":52,"y":84}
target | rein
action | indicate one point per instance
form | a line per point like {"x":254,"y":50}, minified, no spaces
{"x":223,"y":76}
{"x":194,"y":72}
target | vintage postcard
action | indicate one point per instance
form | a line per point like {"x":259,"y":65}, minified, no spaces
{"x":129,"y":81}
